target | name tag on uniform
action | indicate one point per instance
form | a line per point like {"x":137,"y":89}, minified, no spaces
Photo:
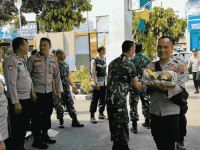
{"x":19,"y":63}
{"x":172,"y":67}
{"x":37,"y":60}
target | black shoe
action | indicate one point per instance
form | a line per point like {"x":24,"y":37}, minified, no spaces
{"x":61,"y":126}
{"x":38,"y":143}
{"x":134,"y":127}
{"x":66,"y":110}
{"x":196,"y":92}
{"x":180,"y":146}
{"x":93,"y":120}
{"x":76,"y":123}
{"x":146,"y":125}
{"x":48,"y":139}
{"x":102,"y":116}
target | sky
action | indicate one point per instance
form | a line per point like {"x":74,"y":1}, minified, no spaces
{"x":177,"y":5}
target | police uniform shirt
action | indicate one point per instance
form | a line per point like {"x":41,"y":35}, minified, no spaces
{"x":3,"y":112}
{"x":159,"y":100}
{"x":18,"y":80}
{"x":194,"y":62}
{"x":94,"y":72}
{"x":42,"y":71}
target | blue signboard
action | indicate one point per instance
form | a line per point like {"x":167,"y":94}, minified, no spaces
{"x":28,"y":31}
{"x":194,"y":23}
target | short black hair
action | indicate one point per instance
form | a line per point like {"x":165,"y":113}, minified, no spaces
{"x":58,"y":51}
{"x":127,"y":45}
{"x":138,"y":47}
{"x":164,"y":37}
{"x":100,"y":48}
{"x":46,"y":39}
{"x":34,"y":51}
{"x":17,"y":42}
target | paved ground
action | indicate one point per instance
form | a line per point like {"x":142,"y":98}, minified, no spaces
{"x":97,"y":136}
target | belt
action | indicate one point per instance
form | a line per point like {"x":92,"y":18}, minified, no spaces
{"x":101,"y":77}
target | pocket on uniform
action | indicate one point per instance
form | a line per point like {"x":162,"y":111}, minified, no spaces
{"x":22,"y":72}
{"x":38,"y":67}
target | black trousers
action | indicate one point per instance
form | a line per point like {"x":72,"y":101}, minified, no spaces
{"x":196,"y":80}
{"x":165,"y":130}
{"x":182,"y":126}
{"x":18,"y":122}
{"x":41,"y":113}
{"x":98,"y":95}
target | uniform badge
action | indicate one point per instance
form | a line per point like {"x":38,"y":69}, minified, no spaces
{"x":53,"y":65}
{"x":10,"y":67}
{"x":172,"y":67}
{"x":36,"y":58}
{"x":198,"y":59}
{"x":152,"y":67}
{"x":181,"y":69}
{"x":0,"y":86}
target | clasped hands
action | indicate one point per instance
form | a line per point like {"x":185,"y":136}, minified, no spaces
{"x":161,"y":86}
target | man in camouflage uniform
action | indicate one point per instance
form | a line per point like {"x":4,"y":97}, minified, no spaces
{"x":66,"y":95}
{"x":121,"y":75}
{"x":140,"y":61}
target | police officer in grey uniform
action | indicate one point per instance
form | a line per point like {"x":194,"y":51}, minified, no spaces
{"x":98,"y":71}
{"x":42,"y":68}
{"x":195,"y":63}
{"x":164,"y":113}
{"x":20,"y":90}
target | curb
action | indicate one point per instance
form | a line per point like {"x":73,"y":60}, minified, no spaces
{"x":82,"y":97}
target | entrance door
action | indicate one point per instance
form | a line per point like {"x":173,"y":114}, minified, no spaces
{"x":195,"y":40}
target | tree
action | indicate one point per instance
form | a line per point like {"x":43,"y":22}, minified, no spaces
{"x":161,"y":22}
{"x":63,"y":15}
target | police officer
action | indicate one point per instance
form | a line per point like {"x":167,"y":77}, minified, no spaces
{"x":42,"y":68}
{"x":98,"y":71}
{"x":164,"y":113}
{"x":140,"y":61}
{"x":66,"y":94}
{"x":121,"y":75}
{"x":20,"y":90}
{"x":195,"y":63}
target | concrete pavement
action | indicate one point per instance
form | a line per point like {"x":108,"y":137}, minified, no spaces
{"x":97,"y":136}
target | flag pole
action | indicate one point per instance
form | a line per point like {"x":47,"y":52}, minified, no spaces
{"x":136,"y":29}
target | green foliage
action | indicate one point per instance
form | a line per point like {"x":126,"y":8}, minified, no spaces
{"x":82,"y":76}
{"x":161,"y":22}
{"x":63,"y":15}
{"x":6,"y":51}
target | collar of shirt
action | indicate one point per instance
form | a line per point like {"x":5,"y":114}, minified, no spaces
{"x":166,"y":65}
{"x":124,"y":57}
{"x":100,"y":58}
{"x":42,"y":56}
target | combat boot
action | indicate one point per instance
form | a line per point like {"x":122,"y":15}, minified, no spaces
{"x":38,"y":143}
{"x":180,"y":146}
{"x":196,"y":91}
{"x":146,"y":124}
{"x":76,"y":123}
{"x":134,"y":127}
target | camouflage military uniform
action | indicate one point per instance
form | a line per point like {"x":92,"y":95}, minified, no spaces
{"x":140,"y":61}
{"x":66,"y":95}
{"x":121,"y":72}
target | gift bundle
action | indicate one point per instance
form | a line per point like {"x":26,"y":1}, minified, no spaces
{"x":167,"y":78}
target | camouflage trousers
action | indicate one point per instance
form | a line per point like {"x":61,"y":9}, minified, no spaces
{"x":134,"y":98}
{"x":69,"y":103}
{"x":59,"y":108}
{"x":118,"y":123}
